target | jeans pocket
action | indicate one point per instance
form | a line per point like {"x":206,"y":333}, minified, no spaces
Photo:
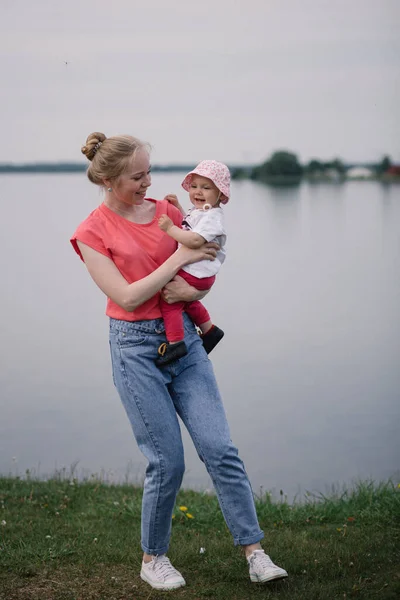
{"x":129,"y":339}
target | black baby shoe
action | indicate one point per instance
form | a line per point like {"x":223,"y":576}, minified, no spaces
{"x":212,"y":338}
{"x":170,"y":352}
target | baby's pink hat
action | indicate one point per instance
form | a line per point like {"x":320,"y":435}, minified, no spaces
{"x":216,"y":171}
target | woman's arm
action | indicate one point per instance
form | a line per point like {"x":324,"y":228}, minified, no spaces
{"x":131,"y":295}
{"x":179,"y":290}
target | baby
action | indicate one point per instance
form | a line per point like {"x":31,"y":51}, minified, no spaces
{"x":209,"y":187}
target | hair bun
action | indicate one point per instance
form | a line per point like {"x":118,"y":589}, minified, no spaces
{"x":93,"y":143}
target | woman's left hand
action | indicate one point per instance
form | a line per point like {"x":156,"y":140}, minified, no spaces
{"x":178,"y":290}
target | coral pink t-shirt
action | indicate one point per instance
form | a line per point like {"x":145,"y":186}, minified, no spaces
{"x":136,"y":250}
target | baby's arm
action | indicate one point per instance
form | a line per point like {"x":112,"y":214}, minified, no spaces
{"x":186,"y":238}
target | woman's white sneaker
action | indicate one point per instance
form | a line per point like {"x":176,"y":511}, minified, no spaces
{"x":160,"y":574}
{"x":262,"y":568}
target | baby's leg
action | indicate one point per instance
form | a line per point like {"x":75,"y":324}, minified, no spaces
{"x":211,"y":334}
{"x":174,"y":331}
{"x":173,"y":320}
{"x":199,"y":315}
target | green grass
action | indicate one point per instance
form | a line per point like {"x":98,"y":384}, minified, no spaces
{"x":64,"y":540}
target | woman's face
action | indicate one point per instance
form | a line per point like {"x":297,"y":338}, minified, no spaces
{"x":203,"y":191}
{"x":132,"y":185}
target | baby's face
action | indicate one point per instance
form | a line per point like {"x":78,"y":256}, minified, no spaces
{"x":203,"y":191}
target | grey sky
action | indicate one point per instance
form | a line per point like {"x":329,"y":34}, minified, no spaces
{"x":224,"y":79}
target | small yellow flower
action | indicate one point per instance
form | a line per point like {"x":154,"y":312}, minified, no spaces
{"x":183,"y":508}
{"x":398,"y":485}
{"x":339,"y":529}
{"x":189,"y":516}
{"x":173,"y":516}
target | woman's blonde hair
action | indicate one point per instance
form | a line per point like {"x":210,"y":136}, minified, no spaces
{"x":109,"y":156}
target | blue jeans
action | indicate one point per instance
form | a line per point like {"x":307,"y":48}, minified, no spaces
{"x":153,"y":398}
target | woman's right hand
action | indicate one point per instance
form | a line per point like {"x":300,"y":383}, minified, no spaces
{"x":208,"y":251}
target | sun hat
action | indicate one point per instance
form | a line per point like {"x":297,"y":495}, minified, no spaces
{"x":216,"y":171}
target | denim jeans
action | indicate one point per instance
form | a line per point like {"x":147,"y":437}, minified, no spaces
{"x":153,"y":398}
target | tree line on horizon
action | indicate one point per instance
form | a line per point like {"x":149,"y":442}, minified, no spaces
{"x":285,"y":166}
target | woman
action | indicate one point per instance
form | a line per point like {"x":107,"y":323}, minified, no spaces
{"x":132,"y":260}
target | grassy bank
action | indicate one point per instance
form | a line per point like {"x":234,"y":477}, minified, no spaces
{"x":66,"y":540}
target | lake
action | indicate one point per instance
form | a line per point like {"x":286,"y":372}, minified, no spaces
{"x":309,"y":369}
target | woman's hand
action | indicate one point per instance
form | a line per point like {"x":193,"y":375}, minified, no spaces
{"x":179,"y":290}
{"x":207,"y":251}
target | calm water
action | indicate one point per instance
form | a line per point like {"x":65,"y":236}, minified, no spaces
{"x":309,"y":369}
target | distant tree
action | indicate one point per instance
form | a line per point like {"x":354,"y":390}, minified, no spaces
{"x":314,"y":166}
{"x":281,"y":164}
{"x":384,"y":165}
{"x":240,"y":172}
{"x":336,"y":164}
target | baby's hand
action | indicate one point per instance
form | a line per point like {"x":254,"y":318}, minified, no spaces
{"x":172,"y":199}
{"x":165,"y":223}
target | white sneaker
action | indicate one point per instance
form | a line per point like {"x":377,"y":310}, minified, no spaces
{"x":160,"y":574}
{"x":262,"y":568}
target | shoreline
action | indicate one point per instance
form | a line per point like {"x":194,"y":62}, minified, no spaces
{"x":278,"y":181}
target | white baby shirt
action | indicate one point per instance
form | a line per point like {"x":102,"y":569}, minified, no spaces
{"x":210,"y":225}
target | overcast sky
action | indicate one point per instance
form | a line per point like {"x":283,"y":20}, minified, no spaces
{"x":224,"y":79}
